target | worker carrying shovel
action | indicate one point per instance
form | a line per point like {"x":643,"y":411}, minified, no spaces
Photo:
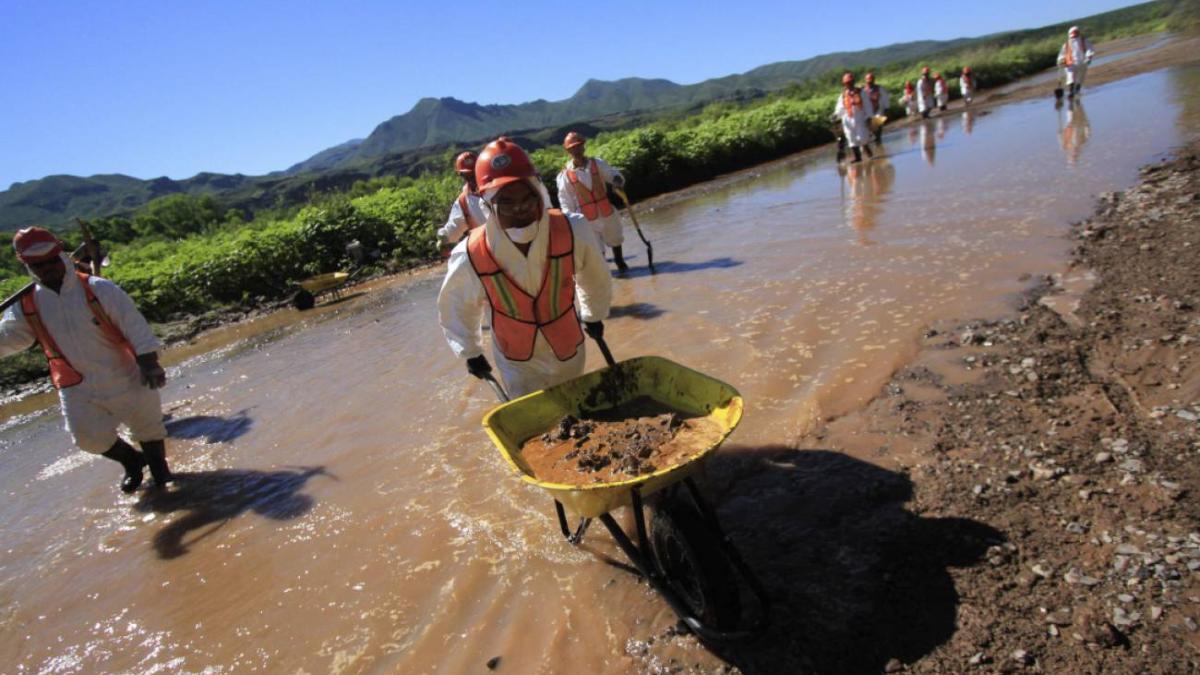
{"x":536,"y":272}
{"x":582,"y":189}
{"x":103,"y":356}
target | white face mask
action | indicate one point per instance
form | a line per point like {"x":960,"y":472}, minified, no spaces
{"x":523,"y":235}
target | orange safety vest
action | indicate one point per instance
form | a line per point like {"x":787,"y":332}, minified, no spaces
{"x":851,"y":98}
{"x":969,"y":80}
{"x":517,"y":317}
{"x":462,"y":205}
{"x":62,"y":373}
{"x":593,"y":202}
{"x":873,"y":93}
{"x":1069,"y":58}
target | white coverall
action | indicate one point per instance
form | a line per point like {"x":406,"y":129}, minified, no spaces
{"x":456,"y":225}
{"x":941,"y":91}
{"x":884,"y":99}
{"x":463,"y":303}
{"x":608,"y":228}
{"x":111,"y":392}
{"x":1081,"y":53}
{"x":910,"y":102}
{"x":964,"y":86}
{"x":855,"y":122}
{"x":924,"y":94}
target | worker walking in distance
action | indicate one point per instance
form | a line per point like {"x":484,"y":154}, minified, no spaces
{"x":1074,"y":57}
{"x":466,"y":213}
{"x":940,"y":91}
{"x":855,"y":112}
{"x":536,"y":272}
{"x":909,"y":99}
{"x":966,"y":85}
{"x":102,"y":354}
{"x":925,"y":101}
{"x":879,"y":102}
{"x":582,"y":189}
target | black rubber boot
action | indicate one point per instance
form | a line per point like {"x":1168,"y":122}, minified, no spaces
{"x":619,"y":259}
{"x":132,"y":460}
{"x":156,"y":459}
{"x":857,"y":154}
{"x":869,"y":152}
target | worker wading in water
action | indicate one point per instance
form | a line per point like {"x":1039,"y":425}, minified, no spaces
{"x":1074,"y":57}
{"x":582,"y":189}
{"x":466,"y":213}
{"x":925,"y":101}
{"x":966,"y":85}
{"x":855,"y":111}
{"x":103,"y":356}
{"x":879,"y":101}
{"x":940,"y":91}
{"x":909,"y":99}
{"x":534,"y":271}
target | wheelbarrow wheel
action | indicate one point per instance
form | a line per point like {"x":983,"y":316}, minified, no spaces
{"x":690,"y":558}
{"x":303,"y":300}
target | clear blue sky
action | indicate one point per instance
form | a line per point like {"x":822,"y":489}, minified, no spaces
{"x":165,"y":87}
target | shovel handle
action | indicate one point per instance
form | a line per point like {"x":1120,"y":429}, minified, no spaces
{"x":608,"y":357}
{"x":16,"y":297}
{"x":496,"y":387}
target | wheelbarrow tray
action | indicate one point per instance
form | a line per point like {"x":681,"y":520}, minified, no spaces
{"x":324,"y":282}
{"x":511,"y":424}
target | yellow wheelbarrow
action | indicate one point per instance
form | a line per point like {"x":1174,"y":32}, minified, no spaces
{"x":313,"y":287}
{"x":683,"y":553}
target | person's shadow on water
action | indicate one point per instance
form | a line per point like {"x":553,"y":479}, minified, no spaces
{"x":213,"y":498}
{"x":211,"y":428}
{"x":854,"y":578}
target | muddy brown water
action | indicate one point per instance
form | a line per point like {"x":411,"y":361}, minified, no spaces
{"x":343,"y":510}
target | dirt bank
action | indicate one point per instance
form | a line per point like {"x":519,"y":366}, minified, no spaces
{"x":1021,"y":497}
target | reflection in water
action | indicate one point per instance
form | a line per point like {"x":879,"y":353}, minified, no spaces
{"x":968,"y":121}
{"x":1073,"y":130}
{"x":866,"y":189}
{"x":942,"y":125}
{"x":216,"y":497}
{"x":928,"y":144}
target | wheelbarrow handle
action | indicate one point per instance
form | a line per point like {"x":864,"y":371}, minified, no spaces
{"x":608,"y":357}
{"x":496,"y":387}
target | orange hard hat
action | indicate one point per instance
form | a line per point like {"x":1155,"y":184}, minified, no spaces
{"x":925,"y":70}
{"x":501,"y":162}
{"x":36,"y":244}
{"x":1074,"y":30}
{"x":465,"y":163}
{"x":848,"y":78}
{"x":870,"y":78}
{"x":573,"y":139}
{"x":967,"y":70}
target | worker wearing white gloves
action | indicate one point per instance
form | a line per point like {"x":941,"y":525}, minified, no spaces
{"x":940,"y":91}
{"x":102,"y":354}
{"x":879,"y":101}
{"x":1074,"y":57}
{"x":535,"y":271}
{"x":925,"y":100}
{"x":467,"y":212}
{"x":582,"y":189}
{"x":855,"y":112}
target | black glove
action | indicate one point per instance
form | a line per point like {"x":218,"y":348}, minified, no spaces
{"x":594,"y":329}
{"x":479,"y":366}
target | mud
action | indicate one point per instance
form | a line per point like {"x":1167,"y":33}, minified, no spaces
{"x":636,"y":438}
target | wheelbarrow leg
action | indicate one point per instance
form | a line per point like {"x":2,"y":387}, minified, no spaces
{"x":577,"y":536}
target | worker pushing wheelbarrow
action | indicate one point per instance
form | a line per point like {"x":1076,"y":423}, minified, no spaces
{"x":540,"y":277}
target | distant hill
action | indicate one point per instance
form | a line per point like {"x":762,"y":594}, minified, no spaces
{"x":419,"y":139}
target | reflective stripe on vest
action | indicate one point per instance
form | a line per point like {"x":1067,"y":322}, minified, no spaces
{"x":466,"y":211}
{"x":517,"y":317}
{"x":851,"y":99}
{"x":594,"y":201}
{"x":62,"y":373}
{"x":1069,"y":59}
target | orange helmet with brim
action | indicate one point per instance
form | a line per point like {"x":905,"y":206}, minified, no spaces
{"x":36,"y":244}
{"x":502,"y":162}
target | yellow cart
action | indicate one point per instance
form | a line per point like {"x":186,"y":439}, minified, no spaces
{"x":683,"y":553}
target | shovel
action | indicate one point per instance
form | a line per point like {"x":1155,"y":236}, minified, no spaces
{"x":499,"y":388}
{"x":636,"y":226}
